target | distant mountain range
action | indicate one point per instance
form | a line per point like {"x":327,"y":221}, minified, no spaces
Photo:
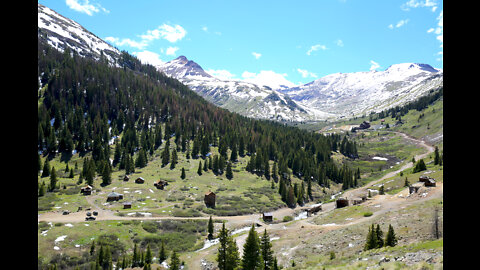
{"x":339,"y":95}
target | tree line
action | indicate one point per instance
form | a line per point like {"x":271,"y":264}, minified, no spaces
{"x":85,"y":106}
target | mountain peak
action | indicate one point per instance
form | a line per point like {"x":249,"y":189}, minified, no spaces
{"x":412,"y":66}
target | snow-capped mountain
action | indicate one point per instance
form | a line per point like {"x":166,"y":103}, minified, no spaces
{"x":61,"y":32}
{"x":331,"y":97}
{"x":245,"y":98}
{"x":358,"y":93}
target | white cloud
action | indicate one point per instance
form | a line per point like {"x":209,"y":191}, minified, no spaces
{"x":399,"y":24}
{"x":128,"y":42}
{"x":256,"y":55}
{"x":222,"y":74}
{"x":148,"y":57}
{"x":85,"y":7}
{"x":316,"y":48}
{"x":432,"y":4}
{"x":205,"y":29}
{"x":339,"y":43}
{"x":267,"y":77}
{"x":165,"y":31}
{"x":438,"y":31}
{"x":305,"y":73}
{"x":171,"y":50}
{"x":374,"y":65}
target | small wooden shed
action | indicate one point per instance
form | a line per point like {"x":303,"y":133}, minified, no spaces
{"x":126,"y":178}
{"x":160,"y":184}
{"x":429,"y":181}
{"x":86,"y":190}
{"x":127,"y":205}
{"x":114,"y":196}
{"x":140,"y":180}
{"x":210,"y":199}
{"x":267,"y":217}
{"x":341,"y":202}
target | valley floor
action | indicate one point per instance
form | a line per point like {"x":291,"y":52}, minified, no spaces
{"x":305,"y":239}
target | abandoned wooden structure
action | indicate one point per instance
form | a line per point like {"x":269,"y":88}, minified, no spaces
{"x":114,"y":196}
{"x":126,"y":178}
{"x":358,"y":200}
{"x":210,"y":199}
{"x":415,"y":187}
{"x":314,"y":209}
{"x":429,"y":181}
{"x":160,"y":184}
{"x":127,"y":205}
{"x":267,"y":217}
{"x":86,"y":190}
{"x":341,"y":202}
{"x":140,"y":180}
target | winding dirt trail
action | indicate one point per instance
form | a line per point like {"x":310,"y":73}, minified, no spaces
{"x":385,"y":203}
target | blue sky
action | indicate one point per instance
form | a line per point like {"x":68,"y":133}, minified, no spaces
{"x":288,"y":41}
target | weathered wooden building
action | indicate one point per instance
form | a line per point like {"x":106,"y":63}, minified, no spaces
{"x":160,"y":184}
{"x":140,"y":180}
{"x":86,"y":190}
{"x":341,"y":202}
{"x":114,"y":196}
{"x":267,"y":217}
{"x":209,"y":199}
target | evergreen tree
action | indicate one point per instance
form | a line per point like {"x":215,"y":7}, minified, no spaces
{"x":390,"y":239}
{"x":371,"y":241}
{"x":229,"y":172}
{"x":381,"y":190}
{"x":227,"y":256}
{"x":183,"y":173}
{"x":174,"y":261}
{"x":71,"y":175}
{"x":135,"y":257}
{"x":291,"y":197}
{"x":41,"y":189}
{"x":379,"y":237}
{"x":162,"y":255}
{"x":267,"y":252}
{"x":53,"y":180}
{"x":46,"y":168}
{"x":210,"y":228}
{"x":148,"y":255}
{"x":234,"y":154}
{"x":166,"y":154}
{"x":199,"y":171}
{"x":419,"y":166}
{"x":252,"y":257}
{"x":92,"y":248}
{"x":107,"y":174}
{"x":174,"y":161}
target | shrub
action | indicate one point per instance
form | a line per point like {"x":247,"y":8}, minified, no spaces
{"x":367,"y":214}
{"x":287,"y":218}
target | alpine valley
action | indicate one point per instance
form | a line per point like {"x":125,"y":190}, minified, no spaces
{"x":333,"y":97}
{"x":169,"y":167}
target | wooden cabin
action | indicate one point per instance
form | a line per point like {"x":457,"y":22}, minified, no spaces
{"x":210,"y":199}
{"x":428,"y":181}
{"x":114,"y":196}
{"x":341,"y":202}
{"x":160,"y":184}
{"x":86,"y":190}
{"x":127,"y":205}
{"x":267,"y":217}
{"x":126,"y":178}
{"x":140,"y":180}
